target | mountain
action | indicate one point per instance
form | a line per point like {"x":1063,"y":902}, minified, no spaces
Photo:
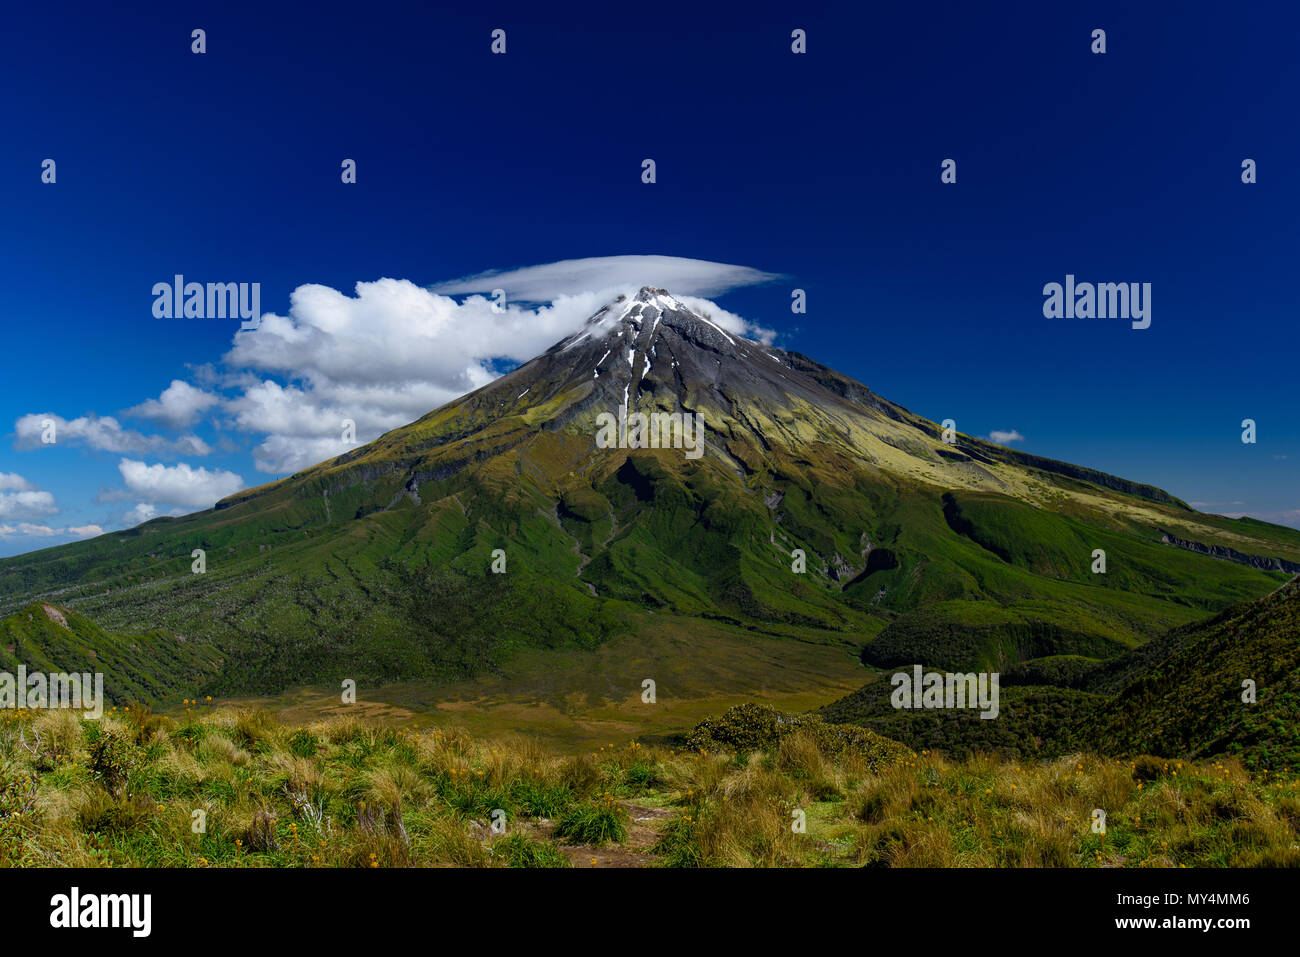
{"x":377,"y":565}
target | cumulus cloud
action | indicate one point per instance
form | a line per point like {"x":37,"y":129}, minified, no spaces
{"x":27,"y":530}
{"x":551,"y":281}
{"x":1006,"y":438}
{"x":20,"y":499}
{"x":395,"y":351}
{"x":26,"y":504}
{"x":84,"y":531}
{"x":288,"y":453}
{"x":178,"y":484}
{"x":379,"y":359}
{"x":101,"y":433}
{"x":179,"y":405}
{"x":144,"y":511}
{"x":12,"y":481}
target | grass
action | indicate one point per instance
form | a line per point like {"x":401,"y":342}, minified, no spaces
{"x":596,"y":822}
{"x":577,"y":701}
{"x":134,"y":788}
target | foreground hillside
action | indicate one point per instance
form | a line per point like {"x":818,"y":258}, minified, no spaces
{"x":1183,"y":694}
{"x":129,"y":791}
{"x":1179,"y":695}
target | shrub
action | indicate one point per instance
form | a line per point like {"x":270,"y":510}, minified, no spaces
{"x":106,"y":813}
{"x":144,"y":723}
{"x":304,"y":744}
{"x":519,"y":850}
{"x":111,"y":758}
{"x":1148,"y":768}
{"x":758,"y":727}
{"x":594,"y":822}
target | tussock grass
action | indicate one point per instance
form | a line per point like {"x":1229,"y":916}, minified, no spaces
{"x":227,"y":788}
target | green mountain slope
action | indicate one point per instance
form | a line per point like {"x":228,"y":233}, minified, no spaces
{"x":376,"y":565}
{"x":1178,"y":696}
{"x":147,"y":667}
{"x":1182,"y":695}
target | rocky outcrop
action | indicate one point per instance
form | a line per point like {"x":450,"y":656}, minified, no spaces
{"x":1232,"y":555}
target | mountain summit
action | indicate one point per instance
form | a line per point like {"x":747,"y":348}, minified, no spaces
{"x":818,"y":508}
{"x":650,"y":351}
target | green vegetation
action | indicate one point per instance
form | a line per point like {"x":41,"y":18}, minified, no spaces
{"x":142,"y":666}
{"x":1180,"y":696}
{"x":1033,"y":723}
{"x":751,"y":727}
{"x":487,"y":567}
{"x":1184,"y":693}
{"x":596,"y":822}
{"x":377,"y":565}
{"x":235,"y":788}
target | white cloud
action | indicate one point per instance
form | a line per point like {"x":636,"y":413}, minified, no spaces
{"x":140,"y":513}
{"x":20,"y":499}
{"x":286,"y":453}
{"x":27,"y":530}
{"x":305,"y":426}
{"x":178,"y":484}
{"x":1005,"y":438}
{"x":395,"y":351}
{"x":26,"y":504}
{"x":380,"y":358}
{"x":179,"y":405}
{"x":102,"y":433}
{"x":394,"y":335}
{"x":144,"y":511}
{"x":551,"y":281}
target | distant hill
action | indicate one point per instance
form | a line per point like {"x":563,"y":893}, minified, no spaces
{"x":148,"y":667}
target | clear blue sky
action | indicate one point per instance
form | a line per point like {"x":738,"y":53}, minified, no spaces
{"x":823,"y":168}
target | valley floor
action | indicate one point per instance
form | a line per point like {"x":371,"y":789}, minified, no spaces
{"x":227,"y":787}
{"x":578,"y":700}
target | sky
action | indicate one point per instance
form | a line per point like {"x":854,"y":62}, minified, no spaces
{"x":774,"y":171}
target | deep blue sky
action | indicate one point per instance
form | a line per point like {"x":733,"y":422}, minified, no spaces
{"x":822,"y":167}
